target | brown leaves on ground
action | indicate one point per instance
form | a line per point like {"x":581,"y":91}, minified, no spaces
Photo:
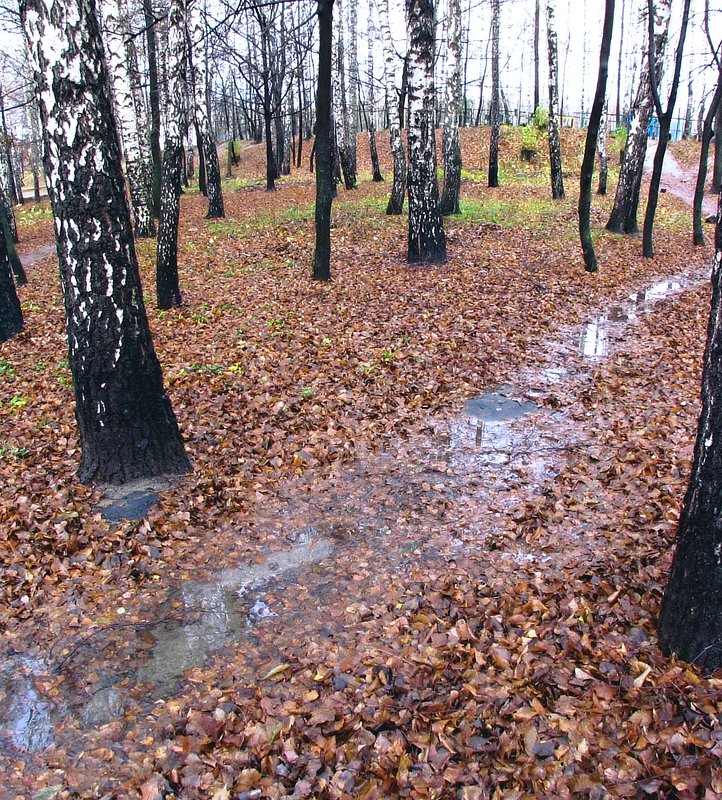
{"x":463,"y":641}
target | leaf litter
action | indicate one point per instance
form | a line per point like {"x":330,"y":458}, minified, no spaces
{"x":481,"y":623}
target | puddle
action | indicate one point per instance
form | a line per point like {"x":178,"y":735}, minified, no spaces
{"x":212,"y":615}
{"x":492,"y":407}
{"x":133,"y":506}
{"x":597,"y":335}
{"x":26,"y":718}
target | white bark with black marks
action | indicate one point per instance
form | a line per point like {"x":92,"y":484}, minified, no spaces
{"x":127,"y":426}
{"x":116,"y":33}
{"x":370,"y":40}
{"x":452,"y":107}
{"x":427,"y":241}
{"x":555,"y":150}
{"x":623,"y":218}
{"x":398,"y":188}
{"x":167,"y":284}
{"x":199,"y":79}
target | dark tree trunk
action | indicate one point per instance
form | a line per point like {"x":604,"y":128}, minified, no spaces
{"x":154,"y":92}
{"x":690,"y":620}
{"x":495,"y":122}
{"x":127,"y":426}
{"x":590,"y":146}
{"x":665,"y":123}
{"x":11,"y":316}
{"x":12,"y":254}
{"x":322,"y":145}
{"x":427,"y":241}
{"x":270,"y":158}
{"x":717,"y":168}
{"x":697,"y":225}
{"x":202,"y":184}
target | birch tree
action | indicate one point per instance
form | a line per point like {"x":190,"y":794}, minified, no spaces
{"x":370,"y":39}
{"x":623,"y":218}
{"x":602,"y":151}
{"x":427,"y":241}
{"x":341,"y":117}
{"x":665,"y":122}
{"x":398,"y":187}
{"x":555,"y":150}
{"x":127,"y":426}
{"x":353,"y":84}
{"x":11,"y":315}
{"x":116,"y":34}
{"x":167,"y":284}
{"x":452,"y":106}
{"x":495,"y":121}
{"x":690,"y":619}
{"x":198,"y":74}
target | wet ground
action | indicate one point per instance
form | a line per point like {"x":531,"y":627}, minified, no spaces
{"x":440,"y":498}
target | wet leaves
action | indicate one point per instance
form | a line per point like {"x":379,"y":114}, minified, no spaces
{"x":479,"y":630}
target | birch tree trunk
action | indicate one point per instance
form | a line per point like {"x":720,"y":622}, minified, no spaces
{"x":353,"y":89}
{"x":690,"y":619}
{"x":167,"y":284}
{"x":536,"y":54}
{"x":341,"y":106}
{"x":705,"y":139}
{"x":154,"y":99}
{"x":602,"y":151}
{"x":623,"y":218}
{"x":371,"y":38}
{"x":116,"y":34}
{"x":199,"y":82}
{"x":452,"y":107}
{"x":427,"y":241}
{"x":398,"y":188}
{"x":494,"y":110}
{"x":11,"y":315}
{"x":555,"y":151}
{"x":665,"y":123}
{"x":127,"y":426}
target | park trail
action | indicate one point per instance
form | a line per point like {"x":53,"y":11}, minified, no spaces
{"x":447,"y":496}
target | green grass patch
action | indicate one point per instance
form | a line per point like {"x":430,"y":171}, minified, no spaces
{"x":531,"y":212}
{"x":32,"y":212}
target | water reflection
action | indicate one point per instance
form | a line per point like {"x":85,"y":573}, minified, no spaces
{"x":595,"y":336}
{"x":25,"y":716}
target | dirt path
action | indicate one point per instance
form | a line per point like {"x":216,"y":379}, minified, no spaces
{"x":464,"y":491}
{"x":678,"y":181}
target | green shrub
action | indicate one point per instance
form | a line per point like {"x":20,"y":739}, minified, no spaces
{"x":540,"y":118}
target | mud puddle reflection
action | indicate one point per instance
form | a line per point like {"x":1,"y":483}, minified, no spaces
{"x":444,"y":495}
{"x":217,"y":613}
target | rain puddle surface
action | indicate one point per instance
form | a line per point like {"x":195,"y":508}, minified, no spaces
{"x":499,"y":449}
{"x":597,"y":335}
{"x":214,"y":614}
{"x":26,"y":718}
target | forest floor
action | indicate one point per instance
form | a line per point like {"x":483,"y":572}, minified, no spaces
{"x":431,"y":514}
